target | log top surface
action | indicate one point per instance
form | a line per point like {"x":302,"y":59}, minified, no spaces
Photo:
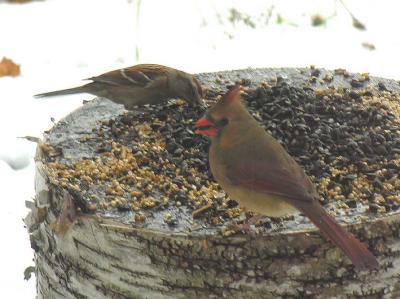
{"x":146,"y":168}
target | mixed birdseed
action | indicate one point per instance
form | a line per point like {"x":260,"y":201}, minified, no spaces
{"x":150,"y":161}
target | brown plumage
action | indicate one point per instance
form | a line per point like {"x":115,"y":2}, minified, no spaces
{"x":256,"y":171}
{"x":140,"y":84}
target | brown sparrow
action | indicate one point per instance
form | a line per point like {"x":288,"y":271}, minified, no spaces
{"x":139,"y":85}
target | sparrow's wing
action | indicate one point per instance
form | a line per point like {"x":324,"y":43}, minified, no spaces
{"x":139,"y":75}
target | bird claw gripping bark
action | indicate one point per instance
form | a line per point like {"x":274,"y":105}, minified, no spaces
{"x":246,"y":228}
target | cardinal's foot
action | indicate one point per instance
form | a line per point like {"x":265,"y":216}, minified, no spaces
{"x":247,"y":227}
{"x":244,"y":228}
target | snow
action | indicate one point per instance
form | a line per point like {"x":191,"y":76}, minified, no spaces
{"x":59,"y":42}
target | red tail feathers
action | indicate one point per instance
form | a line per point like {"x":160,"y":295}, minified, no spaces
{"x":358,"y":253}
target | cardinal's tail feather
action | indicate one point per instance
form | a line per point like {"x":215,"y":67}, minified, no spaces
{"x":358,"y":253}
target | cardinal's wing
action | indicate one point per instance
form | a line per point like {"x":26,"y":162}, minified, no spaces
{"x":287,"y":181}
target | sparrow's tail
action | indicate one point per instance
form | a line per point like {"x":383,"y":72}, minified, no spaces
{"x":80,"y":89}
{"x":358,"y":253}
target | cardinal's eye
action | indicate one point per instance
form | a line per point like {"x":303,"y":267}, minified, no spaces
{"x":222,"y":123}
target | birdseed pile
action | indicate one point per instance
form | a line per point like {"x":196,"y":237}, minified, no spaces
{"x":149,"y":164}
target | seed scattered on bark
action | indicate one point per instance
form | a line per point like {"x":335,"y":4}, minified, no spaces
{"x":348,"y":142}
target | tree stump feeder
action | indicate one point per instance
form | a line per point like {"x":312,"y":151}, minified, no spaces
{"x":94,"y":241}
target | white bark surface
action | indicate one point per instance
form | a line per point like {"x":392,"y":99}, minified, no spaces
{"x":90,"y":256}
{"x":99,"y":258}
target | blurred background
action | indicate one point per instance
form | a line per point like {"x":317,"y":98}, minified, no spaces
{"x":53,"y":44}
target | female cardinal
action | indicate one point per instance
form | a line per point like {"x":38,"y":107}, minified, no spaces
{"x":256,"y":171}
{"x":140,"y":84}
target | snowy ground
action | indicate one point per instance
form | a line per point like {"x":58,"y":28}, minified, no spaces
{"x":60,"y":42}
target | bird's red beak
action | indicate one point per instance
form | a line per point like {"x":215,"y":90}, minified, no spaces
{"x":205,"y":127}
